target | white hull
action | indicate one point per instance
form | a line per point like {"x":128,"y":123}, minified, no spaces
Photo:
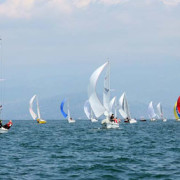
{"x":94,"y":120}
{"x":177,"y":119}
{"x":153,"y":119}
{"x":131,"y":121}
{"x":106,"y":124}
{"x":3,"y":130}
{"x":164,"y":120}
{"x":71,"y":121}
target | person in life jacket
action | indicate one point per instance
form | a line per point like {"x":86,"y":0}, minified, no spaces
{"x":115,"y":120}
{"x":8,"y":125}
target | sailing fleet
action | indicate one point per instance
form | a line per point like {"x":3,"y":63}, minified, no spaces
{"x":105,"y":109}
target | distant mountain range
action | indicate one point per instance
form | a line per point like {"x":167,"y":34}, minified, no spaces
{"x":50,"y":108}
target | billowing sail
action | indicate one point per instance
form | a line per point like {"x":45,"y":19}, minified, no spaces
{"x":176,"y":113}
{"x":62,"y":111}
{"x":106,"y":91}
{"x":112,"y":103}
{"x":124,"y":111}
{"x":38,"y":110}
{"x":94,"y":101}
{"x":159,"y":110}
{"x":177,"y":109}
{"x":87,"y":109}
{"x":178,"y":104}
{"x":151,"y":112}
{"x":33,"y":114}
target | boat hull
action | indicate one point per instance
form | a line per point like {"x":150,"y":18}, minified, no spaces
{"x":131,"y":121}
{"x":41,"y":121}
{"x":94,"y":120}
{"x":3,"y":130}
{"x":153,"y":119}
{"x":106,"y":124}
{"x":178,"y":120}
{"x":164,"y":120}
{"x":71,"y":121}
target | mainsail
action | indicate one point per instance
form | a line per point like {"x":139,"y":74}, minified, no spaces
{"x":33,"y":114}
{"x":38,"y":110}
{"x":159,"y":110}
{"x":151,"y":112}
{"x":62,"y":110}
{"x":112,"y":103}
{"x":94,"y":101}
{"x":87,"y":109}
{"x":106,"y":91}
{"x":124,"y":111}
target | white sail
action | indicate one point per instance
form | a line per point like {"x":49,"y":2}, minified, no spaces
{"x":38,"y":110}
{"x":106,"y":91}
{"x":151,"y":112}
{"x":87,"y":109}
{"x":94,"y":101}
{"x":124,"y":111}
{"x":112,"y":103}
{"x":33,"y":114}
{"x":159,"y":110}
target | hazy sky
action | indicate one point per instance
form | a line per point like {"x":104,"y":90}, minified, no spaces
{"x":51,"y":47}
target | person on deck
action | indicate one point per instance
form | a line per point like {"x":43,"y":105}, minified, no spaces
{"x":8,"y":125}
{"x":112,"y":117}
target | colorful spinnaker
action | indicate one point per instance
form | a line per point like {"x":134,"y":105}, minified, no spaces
{"x":177,"y":109}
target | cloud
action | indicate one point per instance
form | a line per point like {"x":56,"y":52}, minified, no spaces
{"x":171,"y":2}
{"x":32,"y":8}
{"x":17,"y":8}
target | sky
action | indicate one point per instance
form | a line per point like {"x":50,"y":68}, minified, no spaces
{"x":51,"y":47}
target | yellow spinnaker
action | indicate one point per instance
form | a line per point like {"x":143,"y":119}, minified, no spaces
{"x":175,"y":112}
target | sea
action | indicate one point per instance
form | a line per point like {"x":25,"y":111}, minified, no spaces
{"x":83,"y":151}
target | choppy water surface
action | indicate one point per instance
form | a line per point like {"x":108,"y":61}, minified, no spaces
{"x":58,"y":150}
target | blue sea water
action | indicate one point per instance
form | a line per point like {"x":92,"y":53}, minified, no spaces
{"x":58,"y":150}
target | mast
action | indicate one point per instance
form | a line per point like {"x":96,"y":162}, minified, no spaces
{"x":1,"y":80}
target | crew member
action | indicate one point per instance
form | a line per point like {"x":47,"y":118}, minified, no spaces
{"x":8,"y":125}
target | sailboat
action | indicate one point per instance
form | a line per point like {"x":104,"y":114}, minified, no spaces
{"x":177,"y":109}
{"x":33,"y":114}
{"x":68,"y":116}
{"x":88,"y":111}
{"x":2,"y":129}
{"x":124,"y":110}
{"x":160,"y":112}
{"x":151,"y":112}
{"x":98,"y":108}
